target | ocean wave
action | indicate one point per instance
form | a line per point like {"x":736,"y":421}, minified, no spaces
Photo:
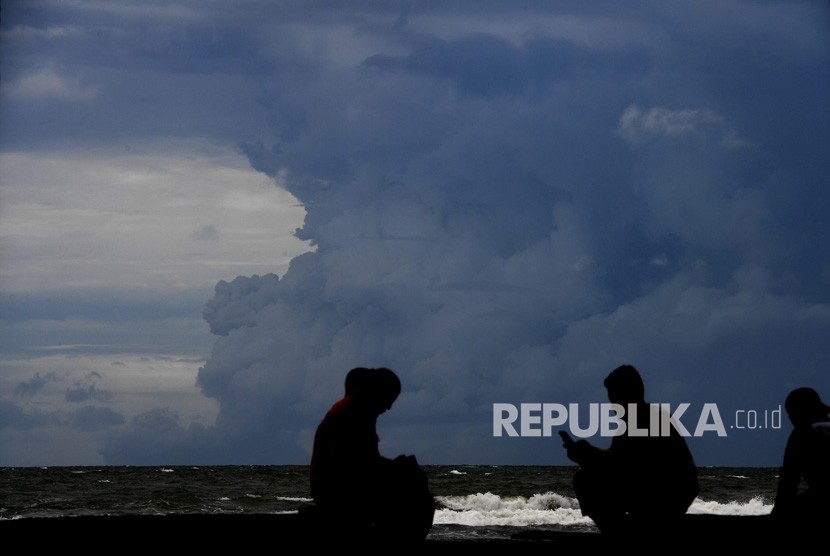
{"x":754,"y":506}
{"x":488,"y":509}
{"x":549,"y":508}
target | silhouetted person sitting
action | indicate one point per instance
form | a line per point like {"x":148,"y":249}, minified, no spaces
{"x":647,"y":480}
{"x":807,"y":459}
{"x":362,"y":497}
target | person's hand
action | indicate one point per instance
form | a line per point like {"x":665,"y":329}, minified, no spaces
{"x":578,"y":451}
{"x":570,"y":445}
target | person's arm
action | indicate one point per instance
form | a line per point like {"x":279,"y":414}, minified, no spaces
{"x":580,"y":451}
{"x":789,"y":474}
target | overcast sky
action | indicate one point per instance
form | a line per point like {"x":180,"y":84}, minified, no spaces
{"x":210,"y":211}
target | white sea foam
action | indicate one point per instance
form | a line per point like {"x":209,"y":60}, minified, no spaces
{"x":488,"y":509}
{"x":755,"y":506}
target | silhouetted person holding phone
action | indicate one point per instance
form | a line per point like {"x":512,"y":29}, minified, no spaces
{"x":645,"y":480}
{"x":804,"y":479}
{"x":364,"y":498}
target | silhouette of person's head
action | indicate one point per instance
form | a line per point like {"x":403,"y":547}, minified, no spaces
{"x":387,"y":388}
{"x":376,"y":389}
{"x":804,"y":407}
{"x":355,"y":378}
{"x":625,"y":385}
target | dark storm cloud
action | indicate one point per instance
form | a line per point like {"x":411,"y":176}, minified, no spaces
{"x":91,"y":417}
{"x":508,"y":221}
{"x":482,"y":65}
{"x":81,"y":393}
{"x":505,"y":202}
{"x":155,"y":437}
{"x":13,"y":416}
{"x":86,"y":418}
{"x":33,"y":386}
{"x":236,"y":303}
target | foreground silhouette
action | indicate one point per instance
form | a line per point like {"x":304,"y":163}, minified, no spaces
{"x":637,"y":480}
{"x":806,"y":459}
{"x":361,"y":497}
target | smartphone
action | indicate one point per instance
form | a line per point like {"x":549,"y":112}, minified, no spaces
{"x":566,"y":438}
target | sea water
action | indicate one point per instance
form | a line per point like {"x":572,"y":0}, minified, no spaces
{"x":476,"y":501}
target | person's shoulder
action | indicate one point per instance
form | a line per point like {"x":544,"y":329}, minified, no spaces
{"x":823,"y":429}
{"x":340,"y":407}
{"x":803,"y":438}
